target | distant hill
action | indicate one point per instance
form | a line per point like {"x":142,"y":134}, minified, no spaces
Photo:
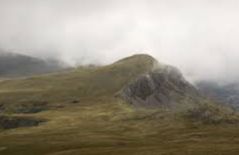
{"x":18,"y":65}
{"x":225,"y":93}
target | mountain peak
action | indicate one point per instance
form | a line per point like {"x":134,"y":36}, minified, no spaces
{"x":142,"y":58}
{"x":159,"y":85}
{"x":142,"y":62}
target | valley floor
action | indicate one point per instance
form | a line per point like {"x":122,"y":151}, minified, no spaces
{"x":118,"y":129}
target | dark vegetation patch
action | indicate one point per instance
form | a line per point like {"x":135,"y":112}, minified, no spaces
{"x":11,"y":122}
{"x":25,"y":107}
{"x":32,"y":107}
{"x":2,"y":108}
{"x":75,"y":101}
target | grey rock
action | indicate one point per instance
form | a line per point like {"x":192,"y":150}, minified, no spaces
{"x":164,"y":86}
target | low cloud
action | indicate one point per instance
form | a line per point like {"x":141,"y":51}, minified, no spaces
{"x":197,"y":36}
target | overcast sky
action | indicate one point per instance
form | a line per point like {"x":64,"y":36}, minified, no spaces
{"x":198,"y":36}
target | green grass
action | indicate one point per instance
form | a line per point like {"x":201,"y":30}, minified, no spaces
{"x":116,"y":128}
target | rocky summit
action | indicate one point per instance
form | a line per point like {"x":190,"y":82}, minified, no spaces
{"x":162,"y":85}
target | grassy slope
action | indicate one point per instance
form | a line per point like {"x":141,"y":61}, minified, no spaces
{"x":115,"y":128}
{"x":82,"y":83}
{"x":101,"y":124}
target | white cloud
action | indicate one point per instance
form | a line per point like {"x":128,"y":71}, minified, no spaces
{"x":198,"y":36}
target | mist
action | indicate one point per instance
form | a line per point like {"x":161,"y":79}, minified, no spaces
{"x":200,"y":37}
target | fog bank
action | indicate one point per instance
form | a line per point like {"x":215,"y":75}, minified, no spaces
{"x":198,"y":36}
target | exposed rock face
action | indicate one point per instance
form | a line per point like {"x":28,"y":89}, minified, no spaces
{"x":164,"y":86}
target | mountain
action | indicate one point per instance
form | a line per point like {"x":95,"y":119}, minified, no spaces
{"x":225,"y":93}
{"x":139,"y":80}
{"x":16,"y":65}
{"x":135,"y":106}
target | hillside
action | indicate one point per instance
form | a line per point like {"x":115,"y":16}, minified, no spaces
{"x":17,"y":65}
{"x":133,"y":106}
{"x":81,"y":84}
{"x":139,"y":79}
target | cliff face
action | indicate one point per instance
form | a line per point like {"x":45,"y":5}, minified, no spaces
{"x":164,"y":86}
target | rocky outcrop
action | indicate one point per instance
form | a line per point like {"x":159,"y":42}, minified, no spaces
{"x":163,"y":86}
